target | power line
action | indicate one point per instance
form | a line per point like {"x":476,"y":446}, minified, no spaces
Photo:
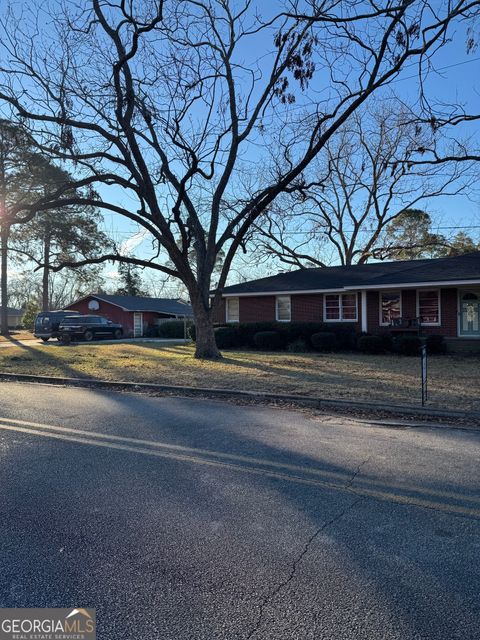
{"x":312,"y":234}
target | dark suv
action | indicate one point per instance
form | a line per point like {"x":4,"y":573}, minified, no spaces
{"x":89,"y":327}
{"x":47,"y":323}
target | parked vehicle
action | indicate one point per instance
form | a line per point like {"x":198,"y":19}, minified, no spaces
{"x":89,"y":328}
{"x":47,"y":323}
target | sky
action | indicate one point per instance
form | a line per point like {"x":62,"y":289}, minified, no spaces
{"x":457,"y":78}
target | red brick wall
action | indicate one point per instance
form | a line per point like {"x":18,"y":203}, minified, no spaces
{"x":219,"y":313}
{"x":449,"y":311}
{"x":113,"y":313}
{"x":373,"y":318}
{"x":257,"y":309}
{"x":409,"y":303}
{"x":307,"y":308}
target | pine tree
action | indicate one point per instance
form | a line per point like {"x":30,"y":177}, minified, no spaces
{"x":131,"y":281}
{"x":58,"y":235}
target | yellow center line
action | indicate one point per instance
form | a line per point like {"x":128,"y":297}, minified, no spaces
{"x":379,"y":495}
{"x":338,"y":476}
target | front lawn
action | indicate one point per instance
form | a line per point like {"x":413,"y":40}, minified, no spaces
{"x":454,"y":382}
{"x":21,"y":334}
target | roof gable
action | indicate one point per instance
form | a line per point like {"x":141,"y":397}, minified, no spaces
{"x":143,"y":304}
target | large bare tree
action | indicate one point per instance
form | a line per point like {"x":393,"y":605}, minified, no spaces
{"x":170,"y":110}
{"x":357,"y":187}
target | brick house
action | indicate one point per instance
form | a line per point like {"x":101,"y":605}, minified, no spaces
{"x":135,"y":313}
{"x":439,"y":296}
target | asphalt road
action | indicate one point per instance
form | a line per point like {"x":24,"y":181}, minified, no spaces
{"x":188,"y":519}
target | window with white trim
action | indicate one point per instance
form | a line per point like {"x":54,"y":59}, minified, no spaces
{"x":232,"y":309}
{"x":283,"y":306}
{"x":340,"y":307}
{"x":428,"y":306}
{"x":390,"y":306}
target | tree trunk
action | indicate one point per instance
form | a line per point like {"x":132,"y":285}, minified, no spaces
{"x":205,"y":347}
{"x":46,"y":270}
{"x":4,"y":233}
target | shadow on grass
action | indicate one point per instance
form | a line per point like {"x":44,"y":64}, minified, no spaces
{"x":348,"y":376}
{"x":45,"y":361}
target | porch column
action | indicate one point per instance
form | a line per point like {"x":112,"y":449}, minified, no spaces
{"x":364,"y":312}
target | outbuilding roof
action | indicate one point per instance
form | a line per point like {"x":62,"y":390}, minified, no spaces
{"x":455,"y":269}
{"x":142,"y":304}
{"x":15,"y":312}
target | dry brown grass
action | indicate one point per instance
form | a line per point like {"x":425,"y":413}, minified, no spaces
{"x":454,"y":382}
{"x":18,"y":335}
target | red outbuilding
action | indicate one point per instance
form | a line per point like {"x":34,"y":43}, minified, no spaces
{"x":135,"y":313}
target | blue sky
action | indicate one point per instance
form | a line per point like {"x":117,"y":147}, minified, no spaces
{"x":458,"y":79}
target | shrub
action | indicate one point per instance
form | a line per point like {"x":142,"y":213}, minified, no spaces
{"x":387,"y":341}
{"x":370,"y":344}
{"x":346,"y":336}
{"x":192,"y":332}
{"x":435,"y":344}
{"x":246,"y":332}
{"x":226,"y":337}
{"x":151,"y":331}
{"x":407,"y":345}
{"x":267,"y":340}
{"x":297,"y":346}
{"x":172,"y":329}
{"x":292,"y":331}
{"x":31,"y":310}
{"x":324,"y":341}
{"x":289,"y":332}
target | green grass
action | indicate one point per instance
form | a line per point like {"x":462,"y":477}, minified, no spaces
{"x":453,"y":381}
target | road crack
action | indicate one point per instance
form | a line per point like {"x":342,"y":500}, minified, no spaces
{"x":306,"y":548}
{"x":356,"y":472}
{"x":338,"y":516}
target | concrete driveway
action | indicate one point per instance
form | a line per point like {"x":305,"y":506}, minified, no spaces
{"x":182,"y":518}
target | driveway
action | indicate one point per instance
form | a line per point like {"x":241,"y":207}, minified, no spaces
{"x":54,"y":342}
{"x":181,"y":518}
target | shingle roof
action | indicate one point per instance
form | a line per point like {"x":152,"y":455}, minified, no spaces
{"x":381,"y":274}
{"x":140,"y":303}
{"x":15,"y":312}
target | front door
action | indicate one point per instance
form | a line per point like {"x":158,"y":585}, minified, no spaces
{"x":470,"y":315}
{"x":138,"y":325}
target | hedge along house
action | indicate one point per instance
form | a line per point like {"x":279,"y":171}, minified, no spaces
{"x":435,"y":296}
{"x":135,"y":313}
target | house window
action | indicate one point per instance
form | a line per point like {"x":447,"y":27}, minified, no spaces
{"x":390,"y":307}
{"x":349,"y":306}
{"x":428,"y":306}
{"x":283,"y":309}
{"x":340,"y":307}
{"x":232,"y":310}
